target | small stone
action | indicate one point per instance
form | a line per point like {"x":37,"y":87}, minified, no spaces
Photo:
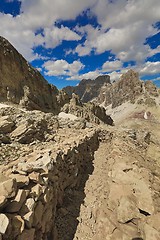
{"x":38,"y":212}
{"x":28,"y":206}
{"x":8,"y":188}
{"x":6,"y":124}
{"x":16,"y":204}
{"x":4,"y":222}
{"x":28,"y":217}
{"x":18,"y":225}
{"x":36,"y":191}
{"x":27,"y":234}
{"x":127,"y":210}
{"x":34,"y":176}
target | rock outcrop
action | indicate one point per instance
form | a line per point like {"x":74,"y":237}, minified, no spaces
{"x":21,"y":84}
{"x":88,"y":111}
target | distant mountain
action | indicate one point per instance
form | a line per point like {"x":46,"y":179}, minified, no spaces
{"x":88,"y":89}
{"x":21,"y":84}
{"x":128,"y":88}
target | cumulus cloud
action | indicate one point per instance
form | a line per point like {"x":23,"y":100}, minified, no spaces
{"x":114,"y":76}
{"x":125,"y":25}
{"x":123,"y":28}
{"x":62,"y":67}
{"x":110,"y":66}
{"x":150,"y":68}
{"x":54,"y":36}
{"x":41,"y":15}
{"x":127,"y":43}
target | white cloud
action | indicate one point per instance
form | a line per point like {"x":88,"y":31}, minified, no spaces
{"x":62,"y":67}
{"x":150,"y":68}
{"x":114,"y":76}
{"x":40,"y":14}
{"x":89,"y":75}
{"x":127,"y":43}
{"x":110,"y":66}
{"x":156,"y":79}
{"x":82,"y":50}
{"x":118,"y":14}
{"x":125,"y":27}
{"x":54,"y":36}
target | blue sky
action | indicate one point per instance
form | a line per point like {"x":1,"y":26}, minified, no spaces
{"x":68,"y":40}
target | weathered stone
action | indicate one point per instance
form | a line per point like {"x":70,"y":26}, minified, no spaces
{"x":28,"y":218}
{"x":6,"y":124}
{"x":151,"y":233}
{"x":4,"y":222}
{"x":21,"y":180}
{"x":28,"y":206}
{"x":23,"y":133}
{"x":16,"y":204}
{"x":89,"y":111}
{"x":154,"y":221}
{"x":35,"y":177}
{"x":127,"y":210}
{"x":27,"y":234}
{"x":37,"y":162}
{"x":3,"y":200}
{"x":36,"y":191}
{"x":88,"y":89}
{"x":8,"y":188}
{"x":38,"y":212}
{"x":17,"y":225}
{"x":26,"y":86}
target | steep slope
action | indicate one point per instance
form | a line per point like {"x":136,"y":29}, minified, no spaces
{"x":22,"y":84}
{"x":88,"y":89}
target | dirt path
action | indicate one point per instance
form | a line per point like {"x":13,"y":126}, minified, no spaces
{"x":96,"y":191}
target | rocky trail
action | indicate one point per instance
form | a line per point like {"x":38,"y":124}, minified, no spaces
{"x":96,"y":192}
{"x":116,"y":200}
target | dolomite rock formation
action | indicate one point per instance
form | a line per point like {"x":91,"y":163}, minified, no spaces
{"x":88,"y":89}
{"x":128,"y":88}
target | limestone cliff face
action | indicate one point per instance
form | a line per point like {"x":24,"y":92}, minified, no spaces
{"x":88,"y":89}
{"x":22,"y":84}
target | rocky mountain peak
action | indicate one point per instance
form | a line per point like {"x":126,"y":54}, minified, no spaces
{"x":88,"y":89}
